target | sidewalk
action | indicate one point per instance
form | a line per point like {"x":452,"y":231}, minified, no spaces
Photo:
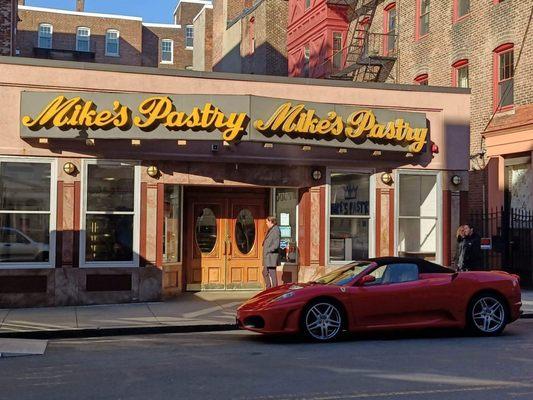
{"x":190,"y":312}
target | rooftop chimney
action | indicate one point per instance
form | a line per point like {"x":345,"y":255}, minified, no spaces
{"x":80,"y":5}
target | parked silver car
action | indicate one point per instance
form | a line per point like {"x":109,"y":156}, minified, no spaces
{"x":16,"y":246}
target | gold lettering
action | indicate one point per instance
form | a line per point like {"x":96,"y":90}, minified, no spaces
{"x":154,"y":109}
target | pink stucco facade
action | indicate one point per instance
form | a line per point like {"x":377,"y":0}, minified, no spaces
{"x":250,"y":167}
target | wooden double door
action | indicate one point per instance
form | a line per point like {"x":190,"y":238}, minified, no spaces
{"x":224,"y":234}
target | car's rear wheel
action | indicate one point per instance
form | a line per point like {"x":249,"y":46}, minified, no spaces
{"x":487,"y":315}
{"x":323,"y":321}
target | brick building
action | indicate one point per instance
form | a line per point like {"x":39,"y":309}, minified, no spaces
{"x":105,"y":38}
{"x":250,"y":38}
{"x":203,"y":39}
{"x":8,"y":25}
{"x":465,"y":43}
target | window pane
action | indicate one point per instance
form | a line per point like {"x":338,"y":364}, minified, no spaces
{"x":25,"y":186}
{"x":464,"y":7}
{"x":348,"y":239}
{"x":189,"y":35}
{"x":424,"y":25}
{"x":206,"y":231}
{"x":350,"y":194}
{"x":286,"y":203}
{"x":418,"y":195}
{"x":112,"y":47}
{"x":245,"y":231}
{"x":417,"y":238}
{"x":337,"y":53}
{"x":109,"y":238}
{"x":462,"y":77}
{"x":506,"y":92}
{"x":24,"y":237}
{"x":110,"y":187}
{"x":172,"y":230}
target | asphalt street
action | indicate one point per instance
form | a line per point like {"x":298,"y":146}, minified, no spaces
{"x":240,"y":365}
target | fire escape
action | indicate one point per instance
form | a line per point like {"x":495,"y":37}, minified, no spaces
{"x":367,"y":56}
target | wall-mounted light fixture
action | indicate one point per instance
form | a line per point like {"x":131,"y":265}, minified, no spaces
{"x":69,"y":168}
{"x":317,"y":174}
{"x":152,"y":171}
{"x":456,"y":180}
{"x":386,"y":178}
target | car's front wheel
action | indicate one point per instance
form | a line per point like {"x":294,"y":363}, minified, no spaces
{"x":323,"y":321}
{"x":487,"y":315}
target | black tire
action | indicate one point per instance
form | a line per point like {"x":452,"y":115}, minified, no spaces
{"x":487,"y":315}
{"x":323,"y":321}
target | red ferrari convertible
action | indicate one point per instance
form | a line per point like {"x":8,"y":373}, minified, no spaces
{"x":386,"y":293}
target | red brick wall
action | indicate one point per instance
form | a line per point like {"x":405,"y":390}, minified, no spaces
{"x":270,"y":32}
{"x":64,"y":34}
{"x":151,"y":39}
{"x":474,"y":38}
{"x":7,"y":26}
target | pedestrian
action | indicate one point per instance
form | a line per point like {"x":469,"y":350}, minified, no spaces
{"x":460,"y":248}
{"x":472,"y":256}
{"x":271,"y":252}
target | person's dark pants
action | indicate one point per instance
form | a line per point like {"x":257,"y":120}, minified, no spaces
{"x":271,"y":279}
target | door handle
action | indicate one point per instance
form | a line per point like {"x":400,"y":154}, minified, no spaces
{"x":229,"y":248}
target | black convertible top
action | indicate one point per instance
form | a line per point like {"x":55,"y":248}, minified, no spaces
{"x":424,"y":266}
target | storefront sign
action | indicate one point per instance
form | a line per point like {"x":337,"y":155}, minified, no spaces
{"x":219,"y":117}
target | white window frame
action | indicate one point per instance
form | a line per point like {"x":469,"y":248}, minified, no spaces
{"x":171,"y":51}
{"x":39,"y":36}
{"x":85,"y":38}
{"x":273,"y":212}
{"x":371,"y":217}
{"x":53,"y":214}
{"x":187,"y":27}
{"x":438,"y":175}
{"x":136,"y":214}
{"x":108,"y":54}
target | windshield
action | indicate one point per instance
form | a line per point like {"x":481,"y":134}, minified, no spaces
{"x":344,"y":275}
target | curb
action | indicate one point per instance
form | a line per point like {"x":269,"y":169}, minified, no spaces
{"x":100,"y":332}
{"x":141,"y":330}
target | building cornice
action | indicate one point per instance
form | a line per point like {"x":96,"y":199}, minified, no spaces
{"x":78,"y":13}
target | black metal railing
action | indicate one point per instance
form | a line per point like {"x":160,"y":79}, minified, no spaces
{"x":511,"y":234}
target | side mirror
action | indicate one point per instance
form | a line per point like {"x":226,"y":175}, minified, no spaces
{"x":366,"y":279}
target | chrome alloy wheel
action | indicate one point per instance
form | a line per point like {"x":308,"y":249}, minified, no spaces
{"x":323,"y":321}
{"x":488,"y":314}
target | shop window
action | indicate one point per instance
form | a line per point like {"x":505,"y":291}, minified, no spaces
{"x":460,"y":74}
{"x":349,"y":219}
{"x":83,"y":39}
{"x":167,"y":51}
{"x":45,"y":36}
{"x":307,"y":55}
{"x":286,"y":211}
{"x":461,"y":8}
{"x":27,"y":208}
{"x":389,"y":31}
{"x":422,"y":79}
{"x":110,"y":214}
{"x":112,"y":43}
{"x":422,"y":18}
{"x":172,"y":224}
{"x":189,"y":36}
{"x":337,"y":51}
{"x":503,"y":77}
{"x":418,"y":216}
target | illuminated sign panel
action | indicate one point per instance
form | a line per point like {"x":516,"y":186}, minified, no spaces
{"x":219,"y":117}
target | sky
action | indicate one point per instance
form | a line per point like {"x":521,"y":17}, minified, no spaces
{"x":150,"y":10}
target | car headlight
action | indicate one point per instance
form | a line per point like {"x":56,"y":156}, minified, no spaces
{"x":284,"y":296}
